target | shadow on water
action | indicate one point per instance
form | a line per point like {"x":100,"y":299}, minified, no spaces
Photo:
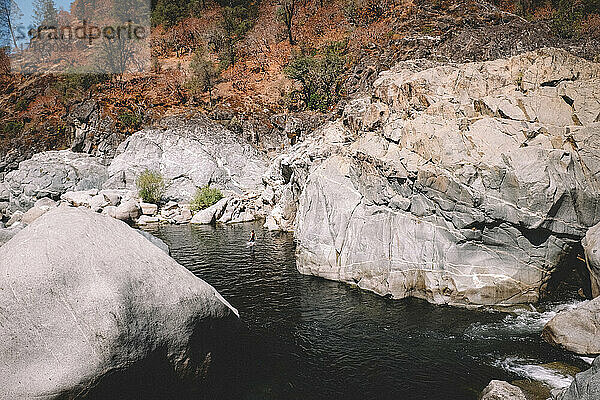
{"x":309,"y":338}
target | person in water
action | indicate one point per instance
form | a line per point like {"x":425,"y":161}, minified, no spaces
{"x":252,"y":236}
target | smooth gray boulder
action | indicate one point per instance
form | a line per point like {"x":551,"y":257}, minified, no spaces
{"x":33,"y":213}
{"x":586,"y":385}
{"x":51,"y":174}
{"x":148,"y":208}
{"x":114,"y":196}
{"x":127,"y":210}
{"x":45,"y":202}
{"x":576,"y":330}
{"x":461,"y":184}
{"x":80,"y":198}
{"x":591,"y":247}
{"x":86,"y":298}
{"x":98,"y":202}
{"x":190,"y":152}
{"x":210,"y":214}
{"x":501,"y":390}
{"x":147,"y":219}
{"x":14,"y":218}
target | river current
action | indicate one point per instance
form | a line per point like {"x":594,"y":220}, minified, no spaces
{"x":309,"y":338}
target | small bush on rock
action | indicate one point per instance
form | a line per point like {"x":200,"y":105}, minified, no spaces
{"x":205,"y":197}
{"x":151,"y":186}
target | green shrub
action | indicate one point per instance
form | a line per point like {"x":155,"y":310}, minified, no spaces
{"x":78,"y":80}
{"x":320,"y":74}
{"x":235,"y":22}
{"x":12,"y":127}
{"x":204,"y":75}
{"x":129,"y":120}
{"x":151,"y":186}
{"x":205,"y":197}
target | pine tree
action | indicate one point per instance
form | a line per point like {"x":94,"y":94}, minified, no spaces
{"x":45,"y":13}
{"x":10,"y":13}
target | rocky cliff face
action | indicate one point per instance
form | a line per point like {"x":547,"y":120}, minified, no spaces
{"x":460,"y":184}
{"x":49,"y":174}
{"x":190,"y":152}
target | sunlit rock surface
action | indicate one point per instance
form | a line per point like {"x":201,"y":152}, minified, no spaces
{"x":460,"y":184}
{"x":85,"y":298}
{"x":591,"y":246}
{"x":576,"y":330}
{"x":189,"y":153}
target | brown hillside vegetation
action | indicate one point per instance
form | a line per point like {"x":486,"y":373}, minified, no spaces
{"x":249,"y":78}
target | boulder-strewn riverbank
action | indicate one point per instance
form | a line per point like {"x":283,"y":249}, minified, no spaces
{"x":189,"y":151}
{"x":87,"y":298}
{"x":462,"y":184}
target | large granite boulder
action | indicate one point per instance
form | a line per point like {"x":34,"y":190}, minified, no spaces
{"x":586,"y":385}
{"x":591,"y":247}
{"x":190,"y":152}
{"x":51,"y":174}
{"x":86,"y":300}
{"x":458,"y":183}
{"x":210,"y":214}
{"x":576,"y":330}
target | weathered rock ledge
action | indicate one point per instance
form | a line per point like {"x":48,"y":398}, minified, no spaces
{"x":463,"y":184}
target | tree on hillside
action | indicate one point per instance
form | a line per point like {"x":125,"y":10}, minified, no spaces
{"x":204,"y":75}
{"x":169,"y":12}
{"x":236,"y":21}
{"x":121,"y":51}
{"x":45,"y":13}
{"x":286,"y":12}
{"x":10,"y":13}
{"x":319,"y":75}
{"x":84,"y":10}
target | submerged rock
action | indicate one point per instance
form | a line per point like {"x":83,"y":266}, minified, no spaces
{"x":500,"y":390}
{"x":576,"y":330}
{"x":86,"y":300}
{"x":155,"y":241}
{"x":460,"y":184}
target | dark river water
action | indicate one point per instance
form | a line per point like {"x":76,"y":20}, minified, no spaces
{"x":310,"y":338}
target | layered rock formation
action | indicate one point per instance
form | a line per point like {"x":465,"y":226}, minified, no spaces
{"x":190,"y":153}
{"x":460,"y":184}
{"x":85,"y":299}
